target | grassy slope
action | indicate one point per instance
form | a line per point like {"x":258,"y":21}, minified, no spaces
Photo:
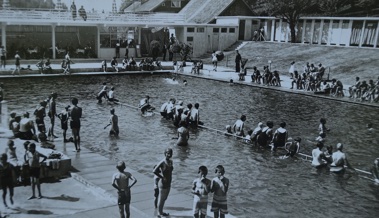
{"x":345,"y":62}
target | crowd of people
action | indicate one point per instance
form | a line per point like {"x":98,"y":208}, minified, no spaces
{"x":266,"y":137}
{"x":182,"y":117}
{"x":365,"y":91}
{"x":131,"y":64}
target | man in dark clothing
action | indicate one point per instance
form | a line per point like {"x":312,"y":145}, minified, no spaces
{"x":164,"y":51}
{"x":82,"y":13}
{"x":238,"y":61}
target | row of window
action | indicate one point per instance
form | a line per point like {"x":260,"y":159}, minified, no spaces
{"x":174,"y":4}
{"x":215,"y":30}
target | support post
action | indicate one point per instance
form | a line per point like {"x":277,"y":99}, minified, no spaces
{"x":4,"y":35}
{"x":272,"y":30}
{"x":303,"y":32}
{"x":362,"y":34}
{"x":53,"y":42}
{"x":340,"y":28}
{"x":280,"y":30}
{"x":376,"y":35}
{"x":312,"y":31}
{"x":320,"y":32}
{"x":350,"y":28}
{"x":330,"y":32}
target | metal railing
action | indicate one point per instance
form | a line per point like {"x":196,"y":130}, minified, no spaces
{"x":49,"y":16}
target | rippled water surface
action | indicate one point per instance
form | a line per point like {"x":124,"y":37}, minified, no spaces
{"x":262,"y":185}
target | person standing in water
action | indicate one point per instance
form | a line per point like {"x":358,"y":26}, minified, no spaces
{"x":113,"y":121}
{"x":339,"y":160}
{"x":75,"y":115}
{"x":183,"y":134}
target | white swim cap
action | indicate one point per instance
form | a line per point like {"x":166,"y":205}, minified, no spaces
{"x":339,"y":146}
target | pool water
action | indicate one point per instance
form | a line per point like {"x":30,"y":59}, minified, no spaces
{"x":261,"y":184}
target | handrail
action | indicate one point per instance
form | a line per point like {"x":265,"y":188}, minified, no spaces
{"x":65,"y":15}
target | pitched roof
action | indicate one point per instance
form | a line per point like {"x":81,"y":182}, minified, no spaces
{"x":132,"y":7}
{"x":149,"y":5}
{"x":204,"y":11}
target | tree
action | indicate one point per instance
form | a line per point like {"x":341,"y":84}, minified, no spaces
{"x":288,"y":10}
{"x":367,"y":5}
{"x":46,"y":4}
{"x":334,"y":7}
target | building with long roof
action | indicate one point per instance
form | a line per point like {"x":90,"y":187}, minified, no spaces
{"x":37,"y":32}
{"x":206,"y":26}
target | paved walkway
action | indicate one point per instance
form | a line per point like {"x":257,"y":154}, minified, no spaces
{"x":95,"y":171}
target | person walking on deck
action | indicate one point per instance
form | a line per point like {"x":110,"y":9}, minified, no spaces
{"x":17,"y":63}
{"x":238,"y":61}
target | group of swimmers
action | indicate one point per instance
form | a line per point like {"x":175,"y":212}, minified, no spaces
{"x":266,"y":137}
{"x":182,"y":117}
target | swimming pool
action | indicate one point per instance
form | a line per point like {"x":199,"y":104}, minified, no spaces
{"x":261,"y":185}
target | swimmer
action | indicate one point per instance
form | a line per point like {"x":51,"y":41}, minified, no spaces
{"x":75,"y":115}
{"x":113,"y":121}
{"x":195,"y":116}
{"x":145,"y":106}
{"x":248,"y":136}
{"x":52,"y":114}
{"x":183,"y":134}
{"x":375,"y":170}
{"x":111,"y":97}
{"x":64,"y":117}
{"x":256,"y":132}
{"x":293,"y":148}
{"x":40,"y":114}
{"x":369,"y":127}
{"x":328,"y":153}
{"x":179,"y":109}
{"x":339,"y":160}
{"x":228,"y":130}
{"x":321,"y":137}
{"x":322,"y":128}
{"x":185,"y":82}
{"x":280,"y":136}
{"x":102,"y":94}
{"x":238,"y":126}
{"x":319,"y":159}
{"x":170,"y":109}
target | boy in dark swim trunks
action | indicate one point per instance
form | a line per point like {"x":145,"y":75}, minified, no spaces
{"x":120,"y":181}
{"x":75,"y":115}
{"x":7,"y":174}
{"x":32,"y":157}
{"x":219,"y":187}
{"x":64,"y":117}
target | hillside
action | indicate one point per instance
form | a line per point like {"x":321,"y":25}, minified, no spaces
{"x":344,"y":63}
